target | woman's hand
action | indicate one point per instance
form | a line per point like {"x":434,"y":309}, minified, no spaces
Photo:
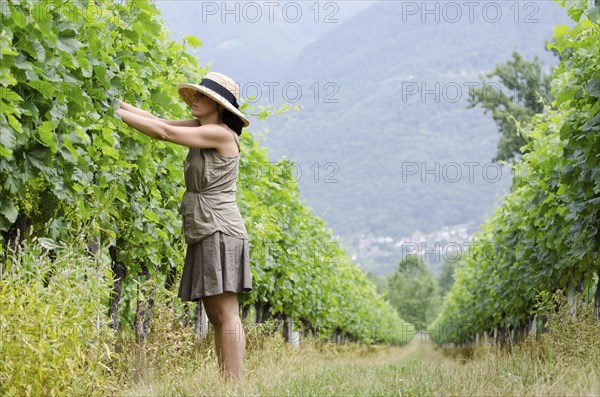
{"x":149,"y":126}
{"x":125,"y":106}
{"x":119,"y":113}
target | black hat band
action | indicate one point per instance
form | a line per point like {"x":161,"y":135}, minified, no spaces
{"x":219,"y":89}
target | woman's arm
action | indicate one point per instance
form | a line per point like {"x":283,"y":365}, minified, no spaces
{"x":147,"y":125}
{"x":133,"y":109}
{"x":180,"y":123}
{"x":206,"y":136}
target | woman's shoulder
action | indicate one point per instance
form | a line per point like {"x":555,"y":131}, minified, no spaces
{"x":229,"y":130}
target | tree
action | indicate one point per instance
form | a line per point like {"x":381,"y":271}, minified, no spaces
{"x":446,"y":278}
{"x":379,"y":281}
{"x":524,"y":91}
{"x":413,"y":292}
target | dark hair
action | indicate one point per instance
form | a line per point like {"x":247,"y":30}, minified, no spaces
{"x":232,"y":121}
{"x":227,"y":117}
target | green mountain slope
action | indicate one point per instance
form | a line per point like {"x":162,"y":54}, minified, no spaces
{"x":376,"y":133}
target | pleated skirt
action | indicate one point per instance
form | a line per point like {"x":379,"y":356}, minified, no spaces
{"x":216,"y":264}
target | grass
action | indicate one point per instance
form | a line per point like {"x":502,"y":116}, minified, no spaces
{"x":275,"y":368}
{"x":53,"y":344}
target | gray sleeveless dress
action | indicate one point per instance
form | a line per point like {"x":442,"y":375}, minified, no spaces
{"x":217,"y":257}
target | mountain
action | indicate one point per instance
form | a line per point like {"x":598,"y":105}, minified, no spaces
{"x":400,"y":146}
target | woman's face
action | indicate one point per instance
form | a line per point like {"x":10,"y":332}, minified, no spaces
{"x":203,"y":105}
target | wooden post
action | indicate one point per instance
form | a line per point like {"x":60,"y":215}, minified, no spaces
{"x":204,"y":321}
{"x":15,"y":235}
{"x":256,"y":313}
{"x":292,"y":336}
{"x":597,"y":298}
{"x":279,"y":320}
{"x":119,"y":271}
{"x":245,"y":311}
{"x":534,"y":326}
{"x":186,"y":314}
{"x":200,"y":321}
{"x":143,"y":315}
{"x":571,"y":297}
{"x":305,"y":327}
{"x":169,"y":280}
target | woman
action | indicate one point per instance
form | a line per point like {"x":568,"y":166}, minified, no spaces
{"x":217,"y":262}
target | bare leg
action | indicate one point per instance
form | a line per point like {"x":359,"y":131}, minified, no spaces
{"x":212,"y":320}
{"x":218,"y":350}
{"x":229,"y":335}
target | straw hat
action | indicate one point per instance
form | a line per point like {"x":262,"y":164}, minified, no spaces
{"x":218,"y":87}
